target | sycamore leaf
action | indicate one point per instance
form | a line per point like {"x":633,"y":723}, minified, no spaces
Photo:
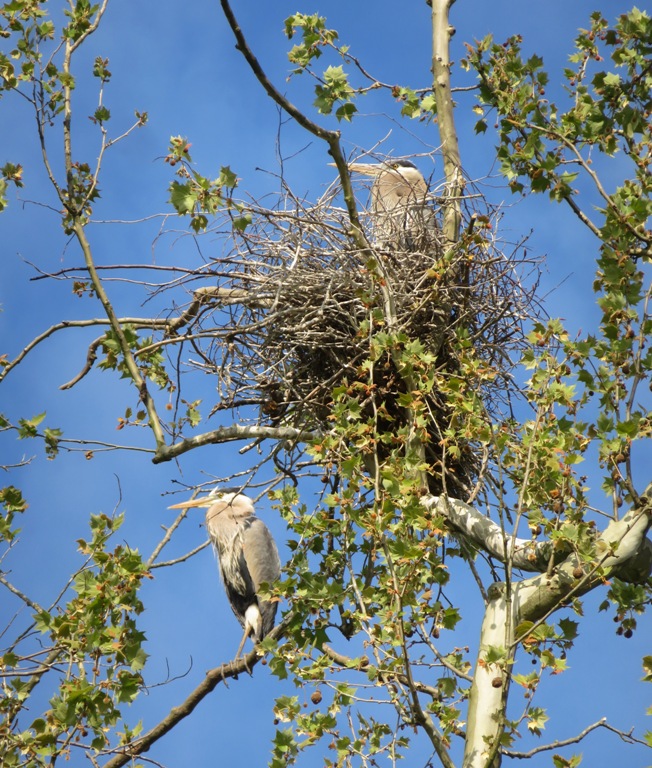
{"x":182,"y":197}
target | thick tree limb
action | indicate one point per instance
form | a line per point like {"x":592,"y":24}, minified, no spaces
{"x":229,"y":434}
{"x":441,"y":67}
{"x":622,"y":549}
{"x":622,"y":543}
{"x":525,"y":554}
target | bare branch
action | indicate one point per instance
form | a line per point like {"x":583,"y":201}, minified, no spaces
{"x":137,"y":322}
{"x":215,"y":676}
{"x":624,"y":735}
{"x":230,"y":433}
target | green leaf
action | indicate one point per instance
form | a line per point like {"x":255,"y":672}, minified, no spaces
{"x":568,"y":628}
{"x":28,"y":426}
{"x":102,"y":114}
{"x":346,"y":112}
{"x":647,"y":666}
{"x":242,"y":222}
{"x":227,"y":178}
{"x":183,"y":197}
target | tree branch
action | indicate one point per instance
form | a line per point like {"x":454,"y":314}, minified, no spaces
{"x":622,"y":542}
{"x":623,"y":549}
{"x":362,"y":665}
{"x":137,"y":322}
{"x":441,"y":67}
{"x":229,"y":434}
{"x":332,"y":138}
{"x":625,"y":736}
{"x":215,"y":676}
{"x":525,"y":554}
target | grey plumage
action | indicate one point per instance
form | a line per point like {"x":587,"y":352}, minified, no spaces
{"x":401,"y":215}
{"x":247,"y":556}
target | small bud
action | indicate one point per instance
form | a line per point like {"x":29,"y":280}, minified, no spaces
{"x":497,"y":682}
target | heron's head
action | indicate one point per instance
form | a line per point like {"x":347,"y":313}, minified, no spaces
{"x":404,"y":169}
{"x":237,"y":504}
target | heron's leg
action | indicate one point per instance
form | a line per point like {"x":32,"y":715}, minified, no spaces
{"x":245,"y":635}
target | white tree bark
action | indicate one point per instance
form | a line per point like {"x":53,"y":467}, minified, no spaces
{"x":525,"y":554}
{"x":622,"y":549}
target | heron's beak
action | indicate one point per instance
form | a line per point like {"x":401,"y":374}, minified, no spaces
{"x":204,"y":501}
{"x":367,"y":169}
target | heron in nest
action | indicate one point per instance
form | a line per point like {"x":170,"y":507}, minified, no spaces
{"x":247,"y":556}
{"x":402,"y":218}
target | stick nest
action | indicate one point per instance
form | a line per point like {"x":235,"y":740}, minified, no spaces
{"x":293,"y":304}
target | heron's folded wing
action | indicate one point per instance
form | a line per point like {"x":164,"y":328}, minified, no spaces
{"x":261,"y":554}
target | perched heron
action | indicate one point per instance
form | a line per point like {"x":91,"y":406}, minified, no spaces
{"x":402,"y":217}
{"x":247,"y":557}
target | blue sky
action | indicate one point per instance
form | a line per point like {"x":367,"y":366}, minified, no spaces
{"x":178,"y":63}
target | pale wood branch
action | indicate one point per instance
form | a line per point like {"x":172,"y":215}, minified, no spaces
{"x":441,"y":66}
{"x":533,"y":600}
{"x":231,"y":433}
{"x":525,"y":554}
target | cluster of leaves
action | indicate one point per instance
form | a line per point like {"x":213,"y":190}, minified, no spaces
{"x":36,"y":68}
{"x":537,"y":140}
{"x":152,"y":364}
{"x":28,"y":428}
{"x":630,"y":601}
{"x":26,"y":21}
{"x":9,"y":173}
{"x":371,"y":566}
{"x":586,"y":391}
{"x":93,"y":647}
{"x":333,"y":86}
{"x":150,"y":359}
{"x":12,"y":502}
{"x":198,"y":196}
{"x":540,"y":639}
{"x":81,"y":192}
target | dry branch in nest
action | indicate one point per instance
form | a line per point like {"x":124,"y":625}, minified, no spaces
{"x":294,"y":303}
